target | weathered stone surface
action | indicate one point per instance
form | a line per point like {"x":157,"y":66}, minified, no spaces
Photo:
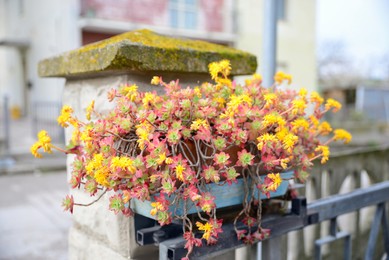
{"x":144,"y":51}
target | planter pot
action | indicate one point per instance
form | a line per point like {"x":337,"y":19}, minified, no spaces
{"x":226,"y":195}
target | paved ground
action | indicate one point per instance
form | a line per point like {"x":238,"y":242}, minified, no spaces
{"x":32,"y":222}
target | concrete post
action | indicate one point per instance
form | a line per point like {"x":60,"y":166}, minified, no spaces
{"x":133,"y":57}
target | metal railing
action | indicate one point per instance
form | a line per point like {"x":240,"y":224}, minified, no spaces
{"x":44,"y":116}
{"x":365,"y":174}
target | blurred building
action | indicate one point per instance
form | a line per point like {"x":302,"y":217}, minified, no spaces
{"x":31,"y":30}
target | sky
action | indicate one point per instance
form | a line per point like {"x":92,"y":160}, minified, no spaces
{"x":361,"y":25}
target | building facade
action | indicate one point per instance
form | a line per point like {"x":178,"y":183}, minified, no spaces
{"x":33,"y":30}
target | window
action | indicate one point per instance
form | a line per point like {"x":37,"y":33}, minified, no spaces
{"x":183,"y":14}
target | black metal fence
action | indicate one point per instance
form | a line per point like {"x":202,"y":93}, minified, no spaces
{"x":300,"y":216}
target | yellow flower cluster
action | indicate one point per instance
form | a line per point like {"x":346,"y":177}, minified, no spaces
{"x":274,"y":118}
{"x":198,"y":123}
{"x":207,"y":228}
{"x":97,"y":169}
{"x":299,"y":106}
{"x":65,"y":118}
{"x":281,"y":77}
{"x":256,"y":77}
{"x":87,"y":137}
{"x":222,"y":67}
{"x":235,"y":101}
{"x":264,"y":139}
{"x":324,"y":128}
{"x":270,"y":99}
{"x":44,"y":141}
{"x":300,"y":124}
{"x":129,"y":91}
{"x":325,"y":152}
{"x":90,"y":109}
{"x":157,"y":206}
{"x":143,"y":131}
{"x":149,"y":98}
{"x":179,"y":172}
{"x":289,"y":141}
{"x":341,"y":134}
{"x":332,"y":103}
{"x":316,"y":98}
{"x":155,"y":80}
{"x":122,"y":163}
{"x":276,"y":181}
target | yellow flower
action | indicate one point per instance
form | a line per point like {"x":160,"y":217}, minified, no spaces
{"x":143,"y":131}
{"x":314,"y":120}
{"x":276,"y":181}
{"x":148,"y":99}
{"x":94,"y":164}
{"x":341,"y":134}
{"x":207,"y":228}
{"x":325,"y":152}
{"x":300,"y":123}
{"x":284,"y":163}
{"x":129,"y":91}
{"x":223,"y":67}
{"x":76,"y":135}
{"x":65,"y":117}
{"x":90,"y":109}
{"x":161,"y":158}
{"x":168,"y":160}
{"x":324,"y":128}
{"x":123,"y":163}
{"x":316,"y":98}
{"x":157,"y":206}
{"x":101,"y":176}
{"x":179,"y":172}
{"x":257,"y":76}
{"x":87,"y":136}
{"x":155,"y":80}
{"x":303,"y":92}
{"x":299,"y":106}
{"x":264,"y":139}
{"x":271,"y":119}
{"x":332,"y":103}
{"x":198,"y":123}
{"x":197,"y":92}
{"x":289,"y":141}
{"x":270,"y":99}
{"x":34,"y":150}
{"x":282,"y":133}
{"x":281,"y":76}
{"x":45,"y":141}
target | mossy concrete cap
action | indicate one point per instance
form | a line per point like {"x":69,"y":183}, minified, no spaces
{"x":145,"y":51}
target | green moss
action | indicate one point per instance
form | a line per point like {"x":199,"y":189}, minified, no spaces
{"x":144,"y":50}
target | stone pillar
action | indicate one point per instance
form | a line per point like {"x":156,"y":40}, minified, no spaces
{"x":90,"y":71}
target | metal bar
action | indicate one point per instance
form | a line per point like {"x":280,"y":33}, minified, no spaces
{"x":385,"y":227}
{"x":301,"y":215}
{"x":337,"y":205}
{"x":279,"y":225}
{"x":269,"y":41}
{"x":329,"y":239}
{"x":374,"y":230}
